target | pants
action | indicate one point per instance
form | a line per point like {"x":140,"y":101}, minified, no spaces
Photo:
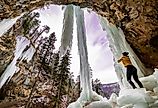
{"x":132,"y":71}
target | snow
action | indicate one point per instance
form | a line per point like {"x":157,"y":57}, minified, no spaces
{"x":99,"y":104}
{"x":140,"y":97}
{"x":151,"y":82}
{"x":113,"y":100}
{"x":127,"y":96}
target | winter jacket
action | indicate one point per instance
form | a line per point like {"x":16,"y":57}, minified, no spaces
{"x":125,"y":60}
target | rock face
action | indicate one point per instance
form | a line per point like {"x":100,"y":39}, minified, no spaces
{"x":7,"y":46}
{"x":137,"y":18}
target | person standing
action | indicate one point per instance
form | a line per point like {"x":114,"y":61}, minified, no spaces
{"x":131,"y":70}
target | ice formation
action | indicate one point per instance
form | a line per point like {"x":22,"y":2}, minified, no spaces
{"x":87,"y":95}
{"x":128,"y":98}
{"x":84,"y":67}
{"x":118,"y":45}
{"x":82,"y":47}
{"x":66,"y":40}
{"x":6,"y":24}
{"x":19,"y":53}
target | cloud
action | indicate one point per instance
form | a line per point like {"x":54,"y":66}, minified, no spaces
{"x":107,"y":75}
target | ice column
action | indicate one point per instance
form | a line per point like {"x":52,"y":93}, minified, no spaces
{"x":82,"y":47}
{"x":66,"y":40}
{"x":118,"y":45}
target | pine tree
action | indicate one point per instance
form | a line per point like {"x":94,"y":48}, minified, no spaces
{"x":43,"y":69}
{"x":30,"y":27}
{"x":47,"y":48}
{"x":63,"y":78}
{"x":97,"y":86}
{"x":29,"y":21}
{"x":55,"y":65}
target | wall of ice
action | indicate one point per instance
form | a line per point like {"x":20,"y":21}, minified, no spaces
{"x":118,"y":45}
{"x":128,"y":98}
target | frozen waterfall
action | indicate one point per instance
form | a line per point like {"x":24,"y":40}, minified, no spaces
{"x":87,"y":95}
{"x":82,"y":47}
{"x":118,"y":45}
{"x":66,"y":40}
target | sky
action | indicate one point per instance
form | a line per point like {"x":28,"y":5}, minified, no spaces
{"x":99,"y":55}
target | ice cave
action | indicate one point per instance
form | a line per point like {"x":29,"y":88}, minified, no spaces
{"x":37,"y":74}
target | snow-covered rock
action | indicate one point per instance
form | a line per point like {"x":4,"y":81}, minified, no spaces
{"x":154,"y":105}
{"x":149,"y":82}
{"x":99,"y":104}
{"x":156,"y":74}
{"x":156,"y":90}
{"x":113,"y":101}
{"x":137,"y":97}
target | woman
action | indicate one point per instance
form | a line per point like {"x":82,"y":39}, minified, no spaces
{"x":131,"y":70}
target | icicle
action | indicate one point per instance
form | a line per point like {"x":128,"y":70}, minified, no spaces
{"x":84,"y":65}
{"x":87,"y":95}
{"x":27,"y":55}
{"x":141,"y":69}
{"x":6,"y":24}
{"x":22,"y":42}
{"x":118,"y":45}
{"x":66,"y":40}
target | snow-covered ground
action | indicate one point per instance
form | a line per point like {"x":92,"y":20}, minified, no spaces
{"x":130,"y":98}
